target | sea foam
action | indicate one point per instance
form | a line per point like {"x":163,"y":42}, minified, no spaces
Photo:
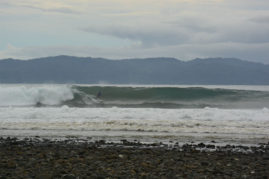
{"x":28,"y":95}
{"x":221,"y":124}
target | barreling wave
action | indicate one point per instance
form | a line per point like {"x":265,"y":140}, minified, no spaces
{"x":167,"y":97}
{"x":109,"y":96}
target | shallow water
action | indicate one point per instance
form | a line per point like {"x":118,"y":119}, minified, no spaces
{"x":145,"y":124}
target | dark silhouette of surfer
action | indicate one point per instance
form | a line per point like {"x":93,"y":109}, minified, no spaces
{"x":99,"y":94}
{"x":39,"y":104}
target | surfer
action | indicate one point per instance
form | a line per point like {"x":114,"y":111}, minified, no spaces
{"x":39,"y":104}
{"x":99,"y":94}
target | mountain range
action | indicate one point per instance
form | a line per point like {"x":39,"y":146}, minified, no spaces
{"x":68,"y":69}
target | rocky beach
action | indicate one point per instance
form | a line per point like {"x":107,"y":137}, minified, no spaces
{"x":71,"y":158}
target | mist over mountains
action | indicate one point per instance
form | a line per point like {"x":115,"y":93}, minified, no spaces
{"x":68,"y":69}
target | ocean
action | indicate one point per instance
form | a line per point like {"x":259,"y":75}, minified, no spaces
{"x":145,"y":113}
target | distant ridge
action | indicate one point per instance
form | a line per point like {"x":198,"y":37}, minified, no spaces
{"x":69,"y":69}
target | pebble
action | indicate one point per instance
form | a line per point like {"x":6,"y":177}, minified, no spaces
{"x":31,"y":158}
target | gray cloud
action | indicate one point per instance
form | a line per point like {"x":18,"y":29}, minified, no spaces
{"x":58,"y":10}
{"x":194,"y":24}
{"x":246,"y":34}
{"x":148,"y":36}
{"x":174,"y":28}
{"x":64,"y":10}
{"x":4,"y":4}
{"x":261,"y":19}
{"x":188,"y":30}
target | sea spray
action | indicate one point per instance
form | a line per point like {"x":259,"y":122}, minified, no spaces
{"x":31,"y":95}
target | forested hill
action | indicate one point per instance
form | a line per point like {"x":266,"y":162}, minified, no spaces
{"x":68,"y":69}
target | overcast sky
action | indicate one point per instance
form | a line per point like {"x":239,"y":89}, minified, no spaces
{"x":184,"y":29}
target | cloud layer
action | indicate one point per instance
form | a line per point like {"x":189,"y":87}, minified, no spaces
{"x":184,"y":29}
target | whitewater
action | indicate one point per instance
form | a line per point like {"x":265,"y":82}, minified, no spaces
{"x":222,"y":114}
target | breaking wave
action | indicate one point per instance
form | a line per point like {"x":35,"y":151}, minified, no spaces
{"x":51,"y":95}
{"x":156,"y":97}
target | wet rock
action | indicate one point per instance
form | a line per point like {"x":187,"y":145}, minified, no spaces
{"x":44,"y":176}
{"x":11,"y":164}
{"x":70,"y":159}
{"x":68,"y":176}
{"x":210,"y":146}
{"x":204,"y":163}
{"x":201,"y":145}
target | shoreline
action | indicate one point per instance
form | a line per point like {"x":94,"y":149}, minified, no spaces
{"x":42,"y":158}
{"x":208,"y":146}
{"x":141,"y":136}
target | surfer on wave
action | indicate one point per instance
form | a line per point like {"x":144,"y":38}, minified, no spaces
{"x":99,"y":94}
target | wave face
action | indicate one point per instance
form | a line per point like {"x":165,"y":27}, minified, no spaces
{"x":142,"y":97}
{"x":169,"y":97}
